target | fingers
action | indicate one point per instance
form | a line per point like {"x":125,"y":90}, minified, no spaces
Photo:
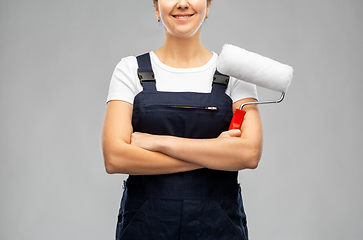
{"x":137,"y":138}
{"x":144,"y":140}
{"x":231,"y":133}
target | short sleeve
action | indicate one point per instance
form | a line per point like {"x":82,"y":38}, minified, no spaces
{"x":238,"y":90}
{"x":124,"y":83}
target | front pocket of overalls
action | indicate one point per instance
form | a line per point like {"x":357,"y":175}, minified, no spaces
{"x":137,"y":223}
{"x":232,"y":219}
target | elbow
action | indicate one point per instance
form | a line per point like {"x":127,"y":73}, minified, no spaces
{"x":109,"y":168}
{"x":253,"y":159}
{"x":108,"y":157}
{"x":109,"y":164}
{"x":248,"y":159}
{"x":114,"y":157}
{"x":113,"y":162}
{"x":253,"y":164}
{"x":255,"y":154}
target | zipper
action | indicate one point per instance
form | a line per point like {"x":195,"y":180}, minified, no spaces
{"x":211,"y":108}
{"x":195,"y":107}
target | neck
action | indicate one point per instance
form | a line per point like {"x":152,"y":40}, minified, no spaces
{"x":181,"y":52}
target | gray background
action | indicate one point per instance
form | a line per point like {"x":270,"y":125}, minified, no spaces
{"x":56,"y":61}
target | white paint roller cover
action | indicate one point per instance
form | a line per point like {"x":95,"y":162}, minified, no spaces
{"x":254,"y":68}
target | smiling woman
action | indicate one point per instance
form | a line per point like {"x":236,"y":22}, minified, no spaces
{"x":166,"y":125}
{"x":182,"y":18}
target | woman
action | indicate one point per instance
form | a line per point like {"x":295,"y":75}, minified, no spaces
{"x":166,"y":125}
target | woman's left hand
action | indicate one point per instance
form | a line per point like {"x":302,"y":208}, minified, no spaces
{"x":145,"y":141}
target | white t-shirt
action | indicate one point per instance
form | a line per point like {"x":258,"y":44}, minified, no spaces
{"x":125,"y":84}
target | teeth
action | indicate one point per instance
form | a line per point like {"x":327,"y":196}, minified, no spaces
{"x":182,"y":16}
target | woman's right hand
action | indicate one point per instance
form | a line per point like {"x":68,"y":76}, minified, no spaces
{"x":230,"y":133}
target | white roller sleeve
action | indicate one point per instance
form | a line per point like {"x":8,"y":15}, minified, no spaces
{"x":254,"y":68}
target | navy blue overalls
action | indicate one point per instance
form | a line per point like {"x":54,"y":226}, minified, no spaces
{"x":202,"y":204}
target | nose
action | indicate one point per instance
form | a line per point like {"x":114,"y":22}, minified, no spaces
{"x":182,"y":4}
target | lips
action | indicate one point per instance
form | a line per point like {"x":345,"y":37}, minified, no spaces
{"x":182,"y":16}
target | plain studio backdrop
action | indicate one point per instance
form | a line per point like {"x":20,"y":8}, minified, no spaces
{"x":56,"y":61}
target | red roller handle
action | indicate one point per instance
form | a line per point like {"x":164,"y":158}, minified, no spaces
{"x":237,"y":119}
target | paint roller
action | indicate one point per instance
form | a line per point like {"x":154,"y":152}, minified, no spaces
{"x":253,"y":68}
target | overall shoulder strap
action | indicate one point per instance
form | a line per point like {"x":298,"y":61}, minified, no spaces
{"x":220,"y":78}
{"x":220,"y":82}
{"x":145,"y":72}
{"x":144,"y":63}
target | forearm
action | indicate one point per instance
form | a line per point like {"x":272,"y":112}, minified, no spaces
{"x":229,"y":154}
{"x":129,"y":159}
{"x":232,"y":151}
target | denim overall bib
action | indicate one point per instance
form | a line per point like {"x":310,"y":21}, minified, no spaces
{"x":202,"y":204}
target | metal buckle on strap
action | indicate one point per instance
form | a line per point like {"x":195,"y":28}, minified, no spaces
{"x":221,"y":79}
{"x":146,"y":76}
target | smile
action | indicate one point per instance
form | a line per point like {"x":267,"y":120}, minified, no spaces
{"x":182,"y":16}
